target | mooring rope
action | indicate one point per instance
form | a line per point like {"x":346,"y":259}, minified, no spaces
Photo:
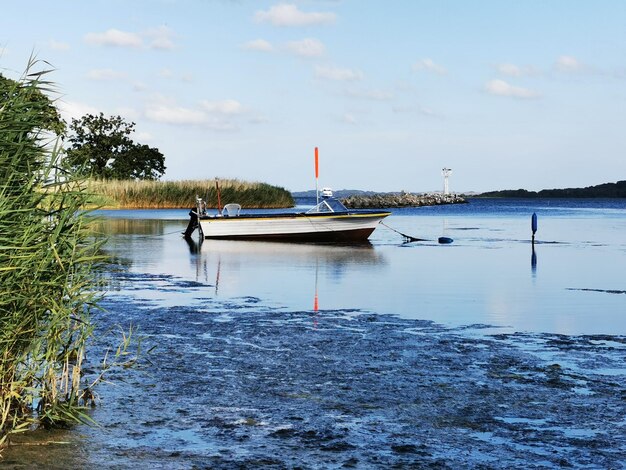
{"x":407,"y":238}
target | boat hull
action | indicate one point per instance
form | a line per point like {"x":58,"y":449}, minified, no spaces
{"x":294,"y":227}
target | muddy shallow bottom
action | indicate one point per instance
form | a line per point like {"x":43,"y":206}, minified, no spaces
{"x":238,"y":384}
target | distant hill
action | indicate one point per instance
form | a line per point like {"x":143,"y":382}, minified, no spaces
{"x":610,"y":190}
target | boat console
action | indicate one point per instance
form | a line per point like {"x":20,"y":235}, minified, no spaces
{"x":328,"y":205}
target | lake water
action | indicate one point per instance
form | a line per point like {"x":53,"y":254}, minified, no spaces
{"x":574,"y":283}
{"x":478,"y":354}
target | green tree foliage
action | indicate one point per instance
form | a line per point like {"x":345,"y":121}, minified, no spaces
{"x":34,"y":99}
{"x":102,"y":147}
{"x":140,"y":163}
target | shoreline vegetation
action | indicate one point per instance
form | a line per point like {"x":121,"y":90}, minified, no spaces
{"x":47,"y":268}
{"x":144,"y":194}
{"x":151,"y":194}
{"x":50,"y":271}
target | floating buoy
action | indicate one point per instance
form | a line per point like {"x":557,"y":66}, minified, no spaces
{"x":445,"y":240}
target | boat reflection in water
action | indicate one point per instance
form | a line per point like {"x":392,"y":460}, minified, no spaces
{"x":288,"y":273}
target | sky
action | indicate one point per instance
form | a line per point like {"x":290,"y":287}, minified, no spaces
{"x":508,"y":94}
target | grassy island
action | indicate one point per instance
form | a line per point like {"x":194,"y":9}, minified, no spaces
{"x":132,"y":194}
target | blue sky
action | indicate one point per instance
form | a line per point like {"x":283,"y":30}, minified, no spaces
{"x":508,"y":94}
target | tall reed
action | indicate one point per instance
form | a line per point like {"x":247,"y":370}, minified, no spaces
{"x":46,"y":267}
{"x":182,"y":194}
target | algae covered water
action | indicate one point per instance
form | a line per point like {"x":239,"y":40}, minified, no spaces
{"x":483,"y":353}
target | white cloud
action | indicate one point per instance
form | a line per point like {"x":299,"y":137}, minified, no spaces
{"x":414,"y":109}
{"x":128,"y":113}
{"x":306,"y":48}
{"x":512,"y":70}
{"x":259,"y":45}
{"x":227,"y":107}
{"x":567,"y":63}
{"x":58,"y":46}
{"x":502,"y":88}
{"x":430,"y":66}
{"x":161,"y":38}
{"x":375,"y":95}
{"x":173,"y":114}
{"x":338,"y":74}
{"x":105,"y":75}
{"x":169,"y":74}
{"x":166,"y":73}
{"x":114,"y":37}
{"x":75,"y":110}
{"x":212,"y":115}
{"x":289,"y":15}
{"x":144,"y":137}
{"x":348,"y":118}
{"x":258,"y":119}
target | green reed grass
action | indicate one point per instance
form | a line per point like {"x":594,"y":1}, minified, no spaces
{"x":181,"y":194}
{"x":46,"y":268}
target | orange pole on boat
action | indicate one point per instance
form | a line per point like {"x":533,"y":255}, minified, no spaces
{"x":317,"y":174}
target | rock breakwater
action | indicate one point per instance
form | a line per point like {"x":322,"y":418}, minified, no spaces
{"x":401,"y":199}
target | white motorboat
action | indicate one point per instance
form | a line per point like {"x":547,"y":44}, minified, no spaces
{"x":328,"y":221}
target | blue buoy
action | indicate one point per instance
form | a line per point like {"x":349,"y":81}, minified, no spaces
{"x":445,"y":240}
{"x":533,"y":225}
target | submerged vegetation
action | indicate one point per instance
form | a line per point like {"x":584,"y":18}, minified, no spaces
{"x":136,"y":194}
{"x":46,"y":267}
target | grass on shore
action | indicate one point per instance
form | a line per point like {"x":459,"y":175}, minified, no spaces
{"x":131,"y":194}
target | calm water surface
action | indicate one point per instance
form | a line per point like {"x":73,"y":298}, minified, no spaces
{"x":574,"y":283}
{"x":274,"y":355}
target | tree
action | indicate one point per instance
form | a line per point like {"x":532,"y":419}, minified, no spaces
{"x":32,"y":100}
{"x":102,"y":147}
{"x":140,"y":162}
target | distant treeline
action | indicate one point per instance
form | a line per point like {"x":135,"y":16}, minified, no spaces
{"x":609,"y":190}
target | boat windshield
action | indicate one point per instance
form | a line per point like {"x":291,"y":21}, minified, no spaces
{"x":328,"y":205}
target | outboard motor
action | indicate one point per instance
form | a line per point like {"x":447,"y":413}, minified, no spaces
{"x":200,"y":210}
{"x":193,"y":224}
